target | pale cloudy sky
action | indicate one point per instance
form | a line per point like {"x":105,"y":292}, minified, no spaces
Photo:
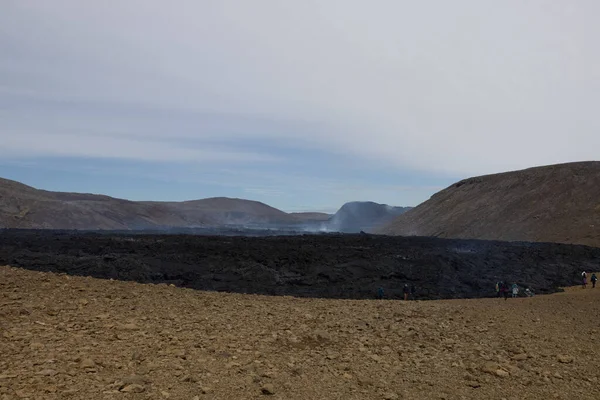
{"x":300,"y":104}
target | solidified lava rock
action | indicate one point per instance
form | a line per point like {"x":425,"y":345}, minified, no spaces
{"x":328,"y":266}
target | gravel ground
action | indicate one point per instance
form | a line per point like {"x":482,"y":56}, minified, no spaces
{"x":64,"y":337}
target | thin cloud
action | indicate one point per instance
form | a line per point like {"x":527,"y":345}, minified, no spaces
{"x":464,"y":87}
{"x":19,"y":144}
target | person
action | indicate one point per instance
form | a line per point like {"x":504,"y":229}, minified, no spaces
{"x":497,"y":289}
{"x":594,"y":279}
{"x":528,"y":292}
{"x":504,"y":289}
{"x":583,"y":280}
{"x":380,"y":293}
{"x":406,"y":291}
{"x":515,"y":290}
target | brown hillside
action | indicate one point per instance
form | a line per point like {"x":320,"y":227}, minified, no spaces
{"x":557,"y":203}
{"x":22,"y":206}
{"x":65,"y":337}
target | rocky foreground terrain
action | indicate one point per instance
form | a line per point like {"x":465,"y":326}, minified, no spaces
{"x":555,"y":203}
{"x":331,"y":266}
{"x":64,"y":337}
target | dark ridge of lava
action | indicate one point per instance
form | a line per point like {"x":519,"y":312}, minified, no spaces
{"x":321,"y":266}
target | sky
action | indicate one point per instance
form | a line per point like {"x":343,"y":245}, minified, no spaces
{"x":303,"y":105}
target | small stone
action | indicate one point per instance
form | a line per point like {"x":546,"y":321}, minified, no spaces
{"x":502,"y":373}
{"x":129,"y":327}
{"x":36,"y":346}
{"x":565,"y":359}
{"x":520,"y":357}
{"x":164,"y":394}
{"x":88,"y":363}
{"x":490,"y":367}
{"x":206,"y":390}
{"x":365,"y":382}
{"x":135,"y":380}
{"x":22,"y":394}
{"x":390,"y":396}
{"x":189,"y":378}
{"x":48,"y":372}
{"x":133,"y":389}
{"x":558,"y":376}
{"x":268,"y":389}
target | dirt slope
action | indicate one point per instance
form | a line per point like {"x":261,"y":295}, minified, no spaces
{"x":22,"y":206}
{"x":557,"y":203}
{"x":65,"y":337}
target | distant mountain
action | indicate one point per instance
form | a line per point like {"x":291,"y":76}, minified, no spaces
{"x":556,"y":203}
{"x":22,"y":206}
{"x":25,"y":207}
{"x":363,"y":216}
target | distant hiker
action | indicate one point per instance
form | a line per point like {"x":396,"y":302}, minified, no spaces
{"x":497,"y":289}
{"x":380,"y":293}
{"x":515,"y":290}
{"x":594,"y":279}
{"x":528,"y":292}
{"x":583,"y":280}
{"x":504,"y":289}
{"x":406,"y":291}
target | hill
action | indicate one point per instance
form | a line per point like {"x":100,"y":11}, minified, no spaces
{"x":365,"y":216}
{"x":25,"y":207}
{"x":67,"y":337}
{"x":557,"y":203}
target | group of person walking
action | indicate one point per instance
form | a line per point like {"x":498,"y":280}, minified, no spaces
{"x":503,"y":289}
{"x":593,"y":278}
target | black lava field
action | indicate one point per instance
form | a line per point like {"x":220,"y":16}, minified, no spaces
{"x":326,"y":266}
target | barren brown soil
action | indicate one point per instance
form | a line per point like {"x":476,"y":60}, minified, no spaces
{"x":64,"y":337}
{"x":556,"y":203}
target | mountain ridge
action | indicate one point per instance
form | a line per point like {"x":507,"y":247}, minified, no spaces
{"x":555,"y":203}
{"x":25,"y":207}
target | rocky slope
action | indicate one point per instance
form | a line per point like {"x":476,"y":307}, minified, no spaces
{"x":557,"y":203}
{"x":22,"y":206}
{"x":64,"y":337}
{"x":333,"y":266}
{"x":365,"y":216}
